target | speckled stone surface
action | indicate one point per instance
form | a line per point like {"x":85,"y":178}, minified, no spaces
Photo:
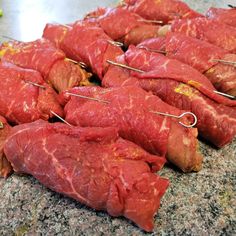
{"x":201,"y":203}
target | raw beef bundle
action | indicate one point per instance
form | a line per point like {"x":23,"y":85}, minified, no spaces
{"x":122,"y":25}
{"x":212,"y":31}
{"x":164,"y":10}
{"x":89,"y":45}
{"x":216,"y":121}
{"x":155,"y":65}
{"x":43,"y":56}
{"x":201,"y":55}
{"x":5,"y":166}
{"x":25,"y":96}
{"x":128,"y":109}
{"x":226,"y":16}
{"x":92,"y":165}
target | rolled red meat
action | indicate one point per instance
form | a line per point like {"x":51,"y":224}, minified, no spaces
{"x":5,"y":166}
{"x":43,"y":56}
{"x":99,"y":169}
{"x":223,"y":75}
{"x":128,"y":109}
{"x":216,"y":120}
{"x":163,"y":10}
{"x":212,"y":31}
{"x":226,"y":16}
{"x":25,"y":96}
{"x":201,"y":55}
{"x":122,"y":25}
{"x":84,"y":43}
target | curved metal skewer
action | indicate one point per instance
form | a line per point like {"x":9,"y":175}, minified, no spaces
{"x":1,"y":125}
{"x":179,"y":117}
{"x":155,"y":112}
{"x":80,"y":63}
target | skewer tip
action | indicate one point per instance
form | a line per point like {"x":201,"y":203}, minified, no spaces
{"x":225,"y":95}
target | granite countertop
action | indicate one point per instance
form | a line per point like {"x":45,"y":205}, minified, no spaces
{"x":202,"y":203}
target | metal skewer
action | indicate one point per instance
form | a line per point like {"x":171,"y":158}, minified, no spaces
{"x":141,"y":71}
{"x":179,"y":117}
{"x":151,"y":21}
{"x":59,"y":117}
{"x":152,"y":50}
{"x":1,"y":125}
{"x":80,"y":63}
{"x":89,"y":98}
{"x":7,"y":37}
{"x":115,"y":43}
{"x":225,"y":94}
{"x":231,"y":6}
{"x":233,"y":63}
{"x":155,"y":112}
{"x":35,"y":84}
{"x":124,"y":66}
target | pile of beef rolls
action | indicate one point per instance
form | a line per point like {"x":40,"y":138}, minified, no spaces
{"x":95,"y":108}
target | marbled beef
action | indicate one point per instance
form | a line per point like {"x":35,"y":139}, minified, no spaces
{"x":22,"y":101}
{"x":128,"y":109}
{"x":41,"y":55}
{"x":212,"y":31}
{"x":122,"y":25}
{"x":226,"y":16}
{"x":164,"y":10}
{"x":201,"y":55}
{"x":179,"y":87}
{"x":92,"y":165}
{"x":84,"y":43}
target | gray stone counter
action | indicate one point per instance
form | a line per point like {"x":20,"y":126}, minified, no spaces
{"x":201,"y":203}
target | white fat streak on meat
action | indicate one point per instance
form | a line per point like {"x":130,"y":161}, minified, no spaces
{"x":188,"y":31}
{"x":210,"y":110}
{"x":63,"y":173}
{"x":160,"y":127}
{"x":9,"y":112}
{"x":190,"y":28}
{"x":95,"y":54}
{"x":165,"y":64}
{"x":195,"y":59}
{"x":26,"y":105}
{"x":164,"y":125}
